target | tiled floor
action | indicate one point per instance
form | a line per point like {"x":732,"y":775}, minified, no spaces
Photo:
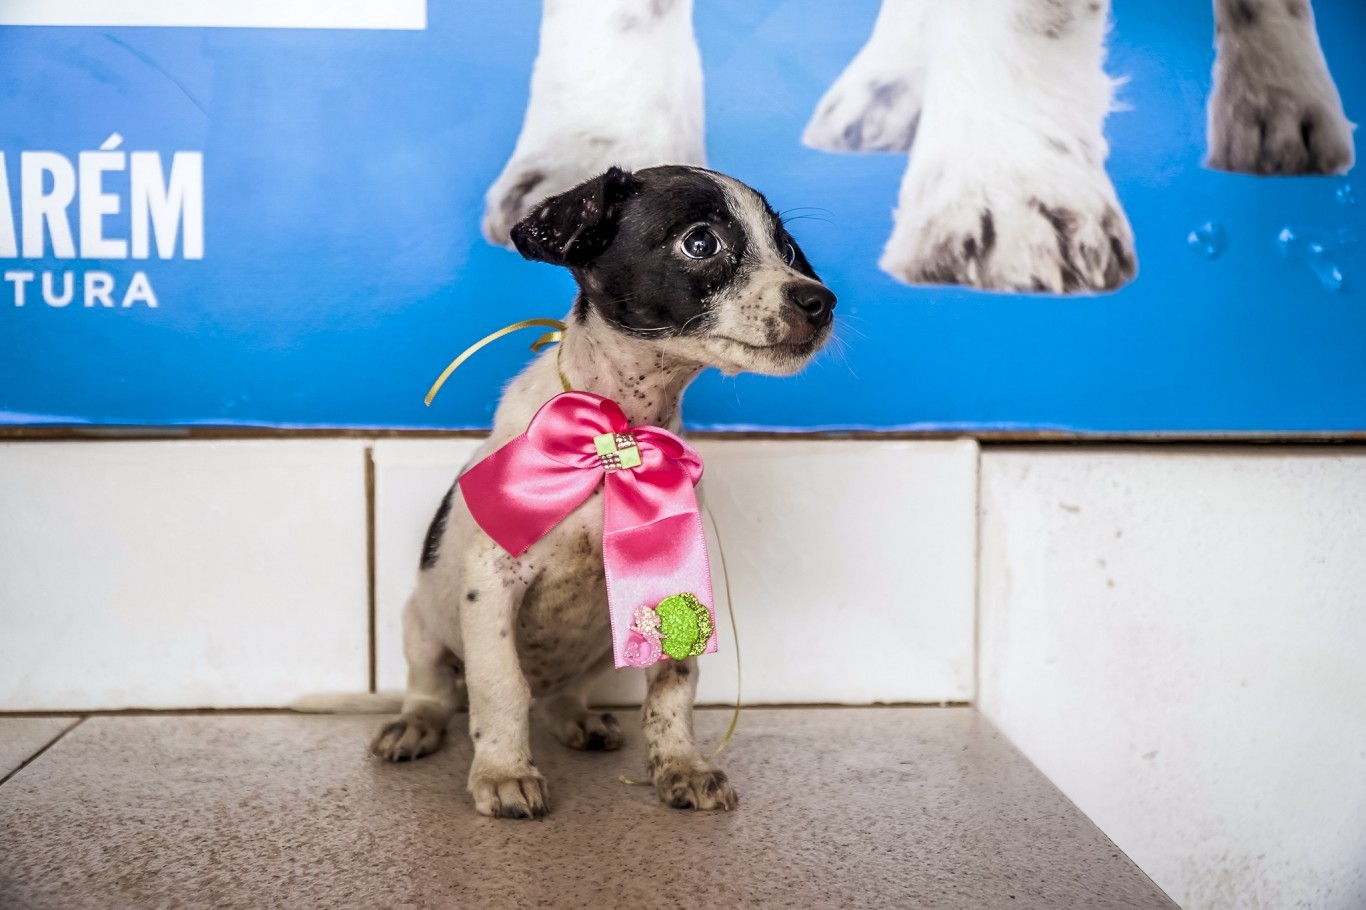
{"x":840,"y":807}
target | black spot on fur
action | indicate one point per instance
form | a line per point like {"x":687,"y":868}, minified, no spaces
{"x":1121,"y":266}
{"x":1064,"y":223}
{"x":1245,"y":13}
{"x":886,"y":94}
{"x":684,"y":670}
{"x":988,"y":233}
{"x":431,"y":547}
{"x":514,"y":203}
{"x":1311,"y":165}
{"x":1050,"y":18}
{"x":471,"y":596}
{"x":852,"y":135}
{"x":772,"y":331}
{"x":969,"y":248}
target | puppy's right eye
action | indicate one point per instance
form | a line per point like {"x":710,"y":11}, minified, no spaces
{"x":699,"y":243}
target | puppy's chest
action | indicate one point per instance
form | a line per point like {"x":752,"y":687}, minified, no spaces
{"x":563,"y":625}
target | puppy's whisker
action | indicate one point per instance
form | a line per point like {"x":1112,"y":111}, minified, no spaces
{"x":838,"y":348}
{"x":683,"y":329}
{"x":804,"y":208}
{"x":855,"y":330}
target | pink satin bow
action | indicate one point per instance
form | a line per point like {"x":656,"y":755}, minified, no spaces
{"x":653,"y":545}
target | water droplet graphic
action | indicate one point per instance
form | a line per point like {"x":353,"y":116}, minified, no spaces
{"x":1314,"y":250}
{"x":1208,"y":240}
{"x":1345,"y":195}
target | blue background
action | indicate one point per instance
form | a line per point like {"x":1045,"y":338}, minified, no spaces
{"x":344,"y":182}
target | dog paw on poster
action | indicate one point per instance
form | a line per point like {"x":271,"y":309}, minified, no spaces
{"x":1006,"y":188}
{"x":616,"y":82}
{"x":1010,"y":227}
{"x":1275,"y":108}
{"x":874,"y":105}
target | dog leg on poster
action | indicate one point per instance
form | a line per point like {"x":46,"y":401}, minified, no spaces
{"x":616,"y":82}
{"x":1006,"y":189}
{"x":874,"y":105}
{"x":1275,"y":108}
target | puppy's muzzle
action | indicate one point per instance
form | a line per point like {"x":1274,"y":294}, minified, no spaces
{"x":815,"y":300}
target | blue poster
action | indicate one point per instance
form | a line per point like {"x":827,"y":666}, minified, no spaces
{"x":1059,"y":218}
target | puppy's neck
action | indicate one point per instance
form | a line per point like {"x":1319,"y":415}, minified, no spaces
{"x":634,"y":372}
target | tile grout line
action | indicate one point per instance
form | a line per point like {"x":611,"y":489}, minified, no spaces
{"x":36,"y":755}
{"x":371,"y":620}
{"x":977,"y":581}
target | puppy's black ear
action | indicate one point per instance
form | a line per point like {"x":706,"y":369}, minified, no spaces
{"x":574,"y":227}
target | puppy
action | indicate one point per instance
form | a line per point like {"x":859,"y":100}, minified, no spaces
{"x":678,"y":269}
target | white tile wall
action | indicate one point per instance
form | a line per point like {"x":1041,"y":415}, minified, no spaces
{"x":851,"y":564}
{"x":411,"y":476}
{"x":180,"y":574}
{"x":1175,"y":637}
{"x":1178,"y":640}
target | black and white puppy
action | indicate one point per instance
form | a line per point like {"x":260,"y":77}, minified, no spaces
{"x":679,"y":269}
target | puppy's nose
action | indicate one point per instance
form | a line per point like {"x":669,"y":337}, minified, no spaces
{"x":815,"y":300}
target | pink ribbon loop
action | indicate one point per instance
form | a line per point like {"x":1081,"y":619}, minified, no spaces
{"x":653,"y":545}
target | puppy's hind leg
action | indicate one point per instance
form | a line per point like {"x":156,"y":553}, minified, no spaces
{"x":435,"y":692}
{"x":566,"y":714}
{"x":682,"y":778}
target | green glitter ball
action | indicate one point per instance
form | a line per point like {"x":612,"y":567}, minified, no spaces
{"x":686,"y":625}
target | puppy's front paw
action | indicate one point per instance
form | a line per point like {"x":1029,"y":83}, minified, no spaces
{"x":590,"y":732}
{"x":1058,"y":228}
{"x":503,"y":795}
{"x":685,"y":786}
{"x":1288,"y":126}
{"x":408,"y":738}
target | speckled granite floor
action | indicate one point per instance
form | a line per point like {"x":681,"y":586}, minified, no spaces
{"x":840,"y":807}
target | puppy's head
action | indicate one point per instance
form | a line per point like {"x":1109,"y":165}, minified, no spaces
{"x":689,"y":259}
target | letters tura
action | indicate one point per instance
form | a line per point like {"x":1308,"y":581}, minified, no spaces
{"x":56,"y":194}
{"x":94,"y":288}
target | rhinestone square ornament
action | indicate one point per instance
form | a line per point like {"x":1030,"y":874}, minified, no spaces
{"x":617,"y":451}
